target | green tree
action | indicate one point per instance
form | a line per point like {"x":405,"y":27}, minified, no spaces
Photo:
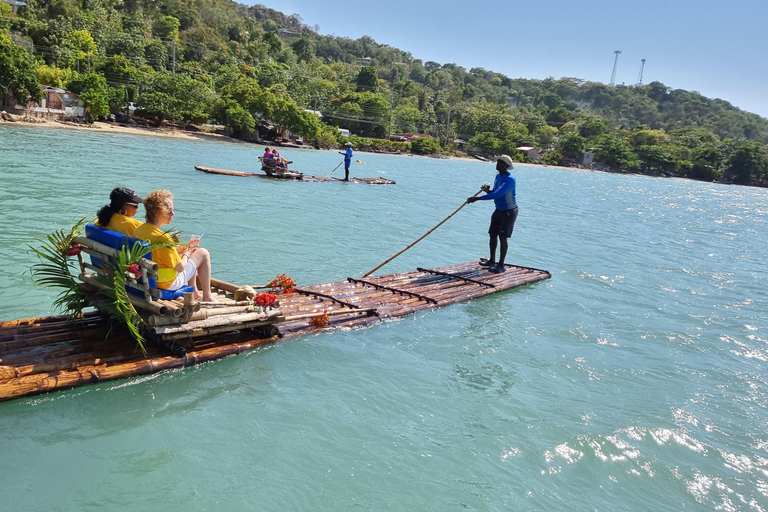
{"x":176,"y":98}
{"x":166,"y":28}
{"x":546,"y":137}
{"x":487,"y":142}
{"x":53,"y":76}
{"x":18,"y":73}
{"x":616,"y":152}
{"x":425,"y":146}
{"x":748,"y":164}
{"x":572,"y":144}
{"x":367,"y":79}
{"x":230,"y":113}
{"x":304,"y":48}
{"x":92,"y":88}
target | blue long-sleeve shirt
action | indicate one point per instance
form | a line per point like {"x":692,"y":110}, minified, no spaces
{"x":348,"y":157}
{"x":503,"y":192}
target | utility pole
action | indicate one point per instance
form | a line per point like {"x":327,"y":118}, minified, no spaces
{"x":615,"y":63}
{"x":640,"y":75}
{"x":391,"y":99}
{"x":173,"y":65}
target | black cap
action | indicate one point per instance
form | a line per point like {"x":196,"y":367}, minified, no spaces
{"x":122,"y":195}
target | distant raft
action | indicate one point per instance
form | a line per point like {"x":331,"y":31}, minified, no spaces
{"x":50,"y":353}
{"x":293,"y":176}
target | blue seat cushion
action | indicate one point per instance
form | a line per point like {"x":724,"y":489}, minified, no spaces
{"x":117,"y":241}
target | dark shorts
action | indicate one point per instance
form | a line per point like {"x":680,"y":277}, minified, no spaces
{"x":503,"y":222}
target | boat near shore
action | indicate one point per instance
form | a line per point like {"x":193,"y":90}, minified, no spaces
{"x":294,"y":176}
{"x":40,"y":355}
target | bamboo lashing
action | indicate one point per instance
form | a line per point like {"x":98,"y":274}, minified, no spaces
{"x":325,"y":296}
{"x":422,"y":237}
{"x":346,"y":311}
{"x":467,"y":279}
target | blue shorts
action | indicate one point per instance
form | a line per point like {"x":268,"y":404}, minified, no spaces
{"x":503,"y":222}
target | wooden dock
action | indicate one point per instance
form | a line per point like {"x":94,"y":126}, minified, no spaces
{"x":294,"y":176}
{"x":51,"y":353}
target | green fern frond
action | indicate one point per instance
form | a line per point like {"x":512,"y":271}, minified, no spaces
{"x":55,"y":269}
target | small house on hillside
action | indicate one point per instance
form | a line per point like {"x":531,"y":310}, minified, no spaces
{"x":56,"y":104}
{"x":15,"y":4}
{"x":530,"y":152}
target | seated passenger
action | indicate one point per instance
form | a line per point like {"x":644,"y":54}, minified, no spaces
{"x":281,"y":162}
{"x":267,"y":154}
{"x":179,"y":266}
{"x":118,"y":214}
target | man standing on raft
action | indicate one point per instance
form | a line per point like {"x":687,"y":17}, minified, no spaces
{"x":347,"y":160}
{"x":503,"y":218}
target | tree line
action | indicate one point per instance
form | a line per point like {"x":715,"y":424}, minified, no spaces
{"x":192,"y":61}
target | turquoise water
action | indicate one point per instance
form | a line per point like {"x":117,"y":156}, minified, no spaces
{"x":635,"y":379}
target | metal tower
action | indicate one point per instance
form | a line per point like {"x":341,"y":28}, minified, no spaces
{"x":615,"y":63}
{"x":640,"y":75}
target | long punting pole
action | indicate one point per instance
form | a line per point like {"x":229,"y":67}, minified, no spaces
{"x":422,"y":237}
{"x":334,"y":169}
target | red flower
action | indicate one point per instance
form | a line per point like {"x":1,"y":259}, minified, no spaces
{"x":134,"y":269}
{"x":265,"y":299}
{"x":284,"y":282}
{"x":320,"y":321}
{"x":73,"y":250}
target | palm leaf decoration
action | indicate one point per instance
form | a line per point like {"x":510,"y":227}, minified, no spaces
{"x":119,"y":280}
{"x":55,"y":269}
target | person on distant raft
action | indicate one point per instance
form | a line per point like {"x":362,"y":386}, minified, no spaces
{"x":505,"y":215}
{"x":267,"y":154}
{"x":180,"y":265}
{"x":347,"y":160}
{"x":118,"y":214}
{"x":282,"y":163}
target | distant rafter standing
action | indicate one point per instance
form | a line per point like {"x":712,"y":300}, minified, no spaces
{"x":615,"y":63}
{"x":640,"y":75}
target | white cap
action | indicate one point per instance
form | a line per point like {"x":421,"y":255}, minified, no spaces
{"x":506,"y":159}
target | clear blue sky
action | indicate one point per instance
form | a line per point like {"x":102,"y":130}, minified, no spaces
{"x":719,"y":49}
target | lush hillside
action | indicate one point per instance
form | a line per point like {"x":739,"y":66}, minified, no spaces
{"x":188,"y":61}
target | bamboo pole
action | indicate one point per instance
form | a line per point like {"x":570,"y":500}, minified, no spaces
{"x":136,"y":301}
{"x":422,"y":237}
{"x":223,"y":285}
{"x":345,"y":311}
{"x":105,"y":252}
{"x":334,"y":169}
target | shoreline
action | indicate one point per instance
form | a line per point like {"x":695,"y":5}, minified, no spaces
{"x":104,"y":127}
{"x":109,"y":128}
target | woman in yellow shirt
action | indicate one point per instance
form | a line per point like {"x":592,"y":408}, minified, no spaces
{"x":179,"y":265}
{"x":118,"y":214}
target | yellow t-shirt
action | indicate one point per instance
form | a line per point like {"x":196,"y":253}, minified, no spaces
{"x":122,"y":224}
{"x":166,"y":257}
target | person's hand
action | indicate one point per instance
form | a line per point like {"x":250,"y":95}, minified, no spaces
{"x":485,"y":188}
{"x":473,"y":199}
{"x":176,"y":237}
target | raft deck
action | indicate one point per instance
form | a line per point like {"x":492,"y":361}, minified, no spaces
{"x":51,"y":353}
{"x":293,"y":176}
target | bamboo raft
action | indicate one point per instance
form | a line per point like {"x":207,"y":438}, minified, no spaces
{"x":51,"y":353}
{"x":293,"y":176}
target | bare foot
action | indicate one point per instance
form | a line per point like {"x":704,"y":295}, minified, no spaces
{"x":210,"y":299}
